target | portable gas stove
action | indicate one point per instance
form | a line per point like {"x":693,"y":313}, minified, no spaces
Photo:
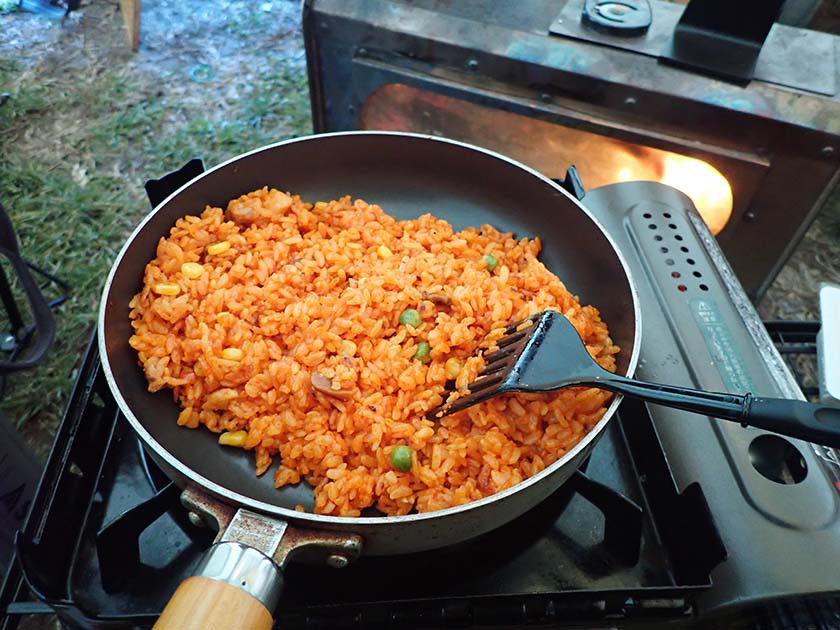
{"x":702,"y":522}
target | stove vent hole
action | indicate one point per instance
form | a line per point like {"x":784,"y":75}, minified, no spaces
{"x":647,"y":215}
{"x":704,"y":287}
{"x":678,"y":237}
{"x":777,"y":459}
{"x":696,"y":274}
{"x":667,"y":215}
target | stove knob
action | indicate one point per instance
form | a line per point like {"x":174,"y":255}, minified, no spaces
{"x":624,"y":18}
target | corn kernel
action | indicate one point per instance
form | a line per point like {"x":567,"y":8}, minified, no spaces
{"x":192,"y":270}
{"x":199,"y":371}
{"x":320,"y":205}
{"x":166,"y":288}
{"x":232,"y":354}
{"x":452,"y":367}
{"x":233,"y":438}
{"x":218,"y":248}
{"x":384,"y":252}
{"x":347,"y":348}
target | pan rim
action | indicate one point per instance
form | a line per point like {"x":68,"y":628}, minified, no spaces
{"x":310,"y":518}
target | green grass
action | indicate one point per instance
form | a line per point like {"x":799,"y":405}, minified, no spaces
{"x":74,"y":154}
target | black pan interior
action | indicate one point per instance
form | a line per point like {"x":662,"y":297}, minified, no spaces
{"x":407,"y":176}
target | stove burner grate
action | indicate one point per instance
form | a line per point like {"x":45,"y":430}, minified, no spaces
{"x":592,"y":549}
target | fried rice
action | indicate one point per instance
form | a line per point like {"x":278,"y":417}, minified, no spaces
{"x":285,"y":332}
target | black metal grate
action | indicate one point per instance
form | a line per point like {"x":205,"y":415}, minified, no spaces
{"x":796,"y":341}
{"x":589,"y":553}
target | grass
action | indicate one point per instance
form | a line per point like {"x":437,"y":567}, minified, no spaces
{"x":74,"y":153}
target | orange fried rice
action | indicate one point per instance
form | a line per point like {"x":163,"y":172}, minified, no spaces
{"x":282,"y":333}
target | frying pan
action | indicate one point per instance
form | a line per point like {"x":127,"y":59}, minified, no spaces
{"x":238,"y":582}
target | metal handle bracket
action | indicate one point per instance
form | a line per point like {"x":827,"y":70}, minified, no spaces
{"x":274,"y":537}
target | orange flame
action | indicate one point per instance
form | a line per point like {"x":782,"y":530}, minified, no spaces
{"x":702,"y":182}
{"x":707,"y":188}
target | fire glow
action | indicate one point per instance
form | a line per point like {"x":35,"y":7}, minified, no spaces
{"x":702,"y":182}
{"x":551,"y":148}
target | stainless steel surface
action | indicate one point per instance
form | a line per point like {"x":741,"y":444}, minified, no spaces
{"x":776,"y":530}
{"x":789,"y":57}
{"x":383,"y":535}
{"x":755,"y":327}
{"x":828,"y":344}
{"x":255,"y":530}
{"x":318,"y":547}
{"x":272,"y":536}
{"x":776,"y":366}
{"x":812,"y":510}
{"x":245,"y":568}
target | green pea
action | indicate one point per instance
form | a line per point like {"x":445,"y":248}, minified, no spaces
{"x":491,"y":261}
{"x":401,"y":458}
{"x":423,"y":352}
{"x":410,"y":317}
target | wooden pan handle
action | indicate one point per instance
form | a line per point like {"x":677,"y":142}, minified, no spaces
{"x":234,"y":586}
{"x":202,"y":603}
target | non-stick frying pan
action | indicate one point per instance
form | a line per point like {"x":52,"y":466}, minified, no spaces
{"x":407,"y":175}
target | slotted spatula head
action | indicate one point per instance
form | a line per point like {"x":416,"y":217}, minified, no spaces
{"x":538,"y":354}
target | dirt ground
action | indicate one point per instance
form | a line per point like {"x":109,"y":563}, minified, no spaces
{"x":793,"y":294}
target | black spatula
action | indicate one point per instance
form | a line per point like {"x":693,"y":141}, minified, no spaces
{"x":545,"y":353}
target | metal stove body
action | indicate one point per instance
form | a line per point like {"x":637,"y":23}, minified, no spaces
{"x":690,"y":531}
{"x":771,"y":521}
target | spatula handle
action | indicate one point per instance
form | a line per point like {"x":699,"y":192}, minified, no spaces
{"x":812,"y":422}
{"x":729,"y":406}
